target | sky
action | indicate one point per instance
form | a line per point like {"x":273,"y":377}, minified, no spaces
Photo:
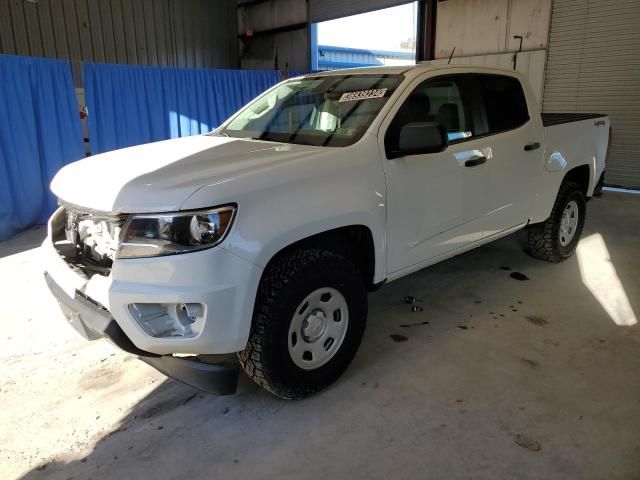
{"x":378,"y":30}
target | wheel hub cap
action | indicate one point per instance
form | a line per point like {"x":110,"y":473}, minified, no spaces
{"x":568,"y":223}
{"x":314,"y":325}
{"x":318,"y":328}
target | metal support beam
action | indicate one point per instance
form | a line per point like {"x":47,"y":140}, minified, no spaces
{"x":426,"y":45}
{"x":313,"y":44}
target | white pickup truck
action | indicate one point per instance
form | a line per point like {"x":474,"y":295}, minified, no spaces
{"x":255,"y":245}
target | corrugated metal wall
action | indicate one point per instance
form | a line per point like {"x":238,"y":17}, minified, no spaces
{"x":594,"y":66}
{"x":181,"y":33}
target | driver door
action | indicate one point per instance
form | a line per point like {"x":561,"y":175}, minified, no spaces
{"x":436,"y":201}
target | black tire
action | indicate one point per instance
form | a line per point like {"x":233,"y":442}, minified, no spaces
{"x":544,"y":238}
{"x":286,"y":283}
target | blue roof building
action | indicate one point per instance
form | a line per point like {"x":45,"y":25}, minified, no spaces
{"x":333,"y":58}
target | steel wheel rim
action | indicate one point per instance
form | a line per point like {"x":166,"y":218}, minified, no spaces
{"x":569,"y":223}
{"x":318,"y":328}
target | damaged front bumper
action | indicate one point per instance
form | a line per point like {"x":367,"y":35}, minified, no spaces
{"x":93,"y":322}
{"x":149,"y":297}
{"x":133,"y":302}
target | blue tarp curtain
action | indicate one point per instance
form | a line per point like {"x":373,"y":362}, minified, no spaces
{"x":39,"y":133}
{"x":130,"y":105}
{"x":40,"y":129}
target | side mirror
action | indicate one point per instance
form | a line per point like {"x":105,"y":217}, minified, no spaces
{"x":420,"y":138}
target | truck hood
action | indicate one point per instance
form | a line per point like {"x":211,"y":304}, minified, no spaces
{"x":159,"y":177}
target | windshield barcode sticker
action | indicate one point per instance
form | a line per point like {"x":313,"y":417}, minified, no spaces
{"x":362,"y":95}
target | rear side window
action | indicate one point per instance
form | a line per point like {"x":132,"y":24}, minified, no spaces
{"x":504,"y":102}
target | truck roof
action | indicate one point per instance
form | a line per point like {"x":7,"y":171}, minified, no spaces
{"x":416,"y":69}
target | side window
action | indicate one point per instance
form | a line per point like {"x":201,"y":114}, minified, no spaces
{"x":440,"y":100}
{"x":504,"y":102}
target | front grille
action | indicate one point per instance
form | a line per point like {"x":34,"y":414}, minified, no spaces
{"x":87,"y":240}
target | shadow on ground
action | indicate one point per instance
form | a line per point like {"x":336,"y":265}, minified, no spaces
{"x":23,"y":241}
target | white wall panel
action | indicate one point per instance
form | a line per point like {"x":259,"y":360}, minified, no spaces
{"x":480,"y":27}
{"x":530,"y":64}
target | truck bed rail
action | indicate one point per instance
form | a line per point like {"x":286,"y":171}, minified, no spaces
{"x":549,"y":119}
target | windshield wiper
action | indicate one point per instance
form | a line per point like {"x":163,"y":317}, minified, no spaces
{"x":218,"y":134}
{"x":293,"y":140}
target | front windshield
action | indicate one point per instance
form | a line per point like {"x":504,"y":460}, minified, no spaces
{"x":330,"y":111}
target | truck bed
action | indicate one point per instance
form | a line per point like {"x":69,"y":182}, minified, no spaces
{"x":549,"y":119}
{"x":571,"y":140}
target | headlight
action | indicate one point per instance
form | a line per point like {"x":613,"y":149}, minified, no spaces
{"x":160,"y":234}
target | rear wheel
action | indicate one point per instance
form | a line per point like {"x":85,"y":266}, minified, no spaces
{"x":308,"y":322}
{"x":556,"y":238}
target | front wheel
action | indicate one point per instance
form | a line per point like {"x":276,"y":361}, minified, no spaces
{"x":308,"y":322}
{"x":556,"y":239}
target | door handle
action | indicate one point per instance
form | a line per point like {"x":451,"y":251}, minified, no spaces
{"x":475,"y":161}
{"x":531,"y":146}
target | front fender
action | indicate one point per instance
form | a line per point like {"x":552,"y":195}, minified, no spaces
{"x":295,"y":200}
{"x":295,"y":233}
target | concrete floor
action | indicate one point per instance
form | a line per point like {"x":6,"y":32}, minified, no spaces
{"x":496,"y":378}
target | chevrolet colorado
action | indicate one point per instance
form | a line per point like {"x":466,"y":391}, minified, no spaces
{"x":254,"y":245}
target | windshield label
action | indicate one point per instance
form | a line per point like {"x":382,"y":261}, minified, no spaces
{"x":362,"y":95}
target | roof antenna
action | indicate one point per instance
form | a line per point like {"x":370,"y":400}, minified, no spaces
{"x":515,"y":54}
{"x":451,"y":56}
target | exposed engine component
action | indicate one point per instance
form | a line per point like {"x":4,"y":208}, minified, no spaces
{"x":99,"y":238}
{"x":88,"y":241}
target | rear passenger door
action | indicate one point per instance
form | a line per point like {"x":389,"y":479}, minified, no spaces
{"x":515,"y":138}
